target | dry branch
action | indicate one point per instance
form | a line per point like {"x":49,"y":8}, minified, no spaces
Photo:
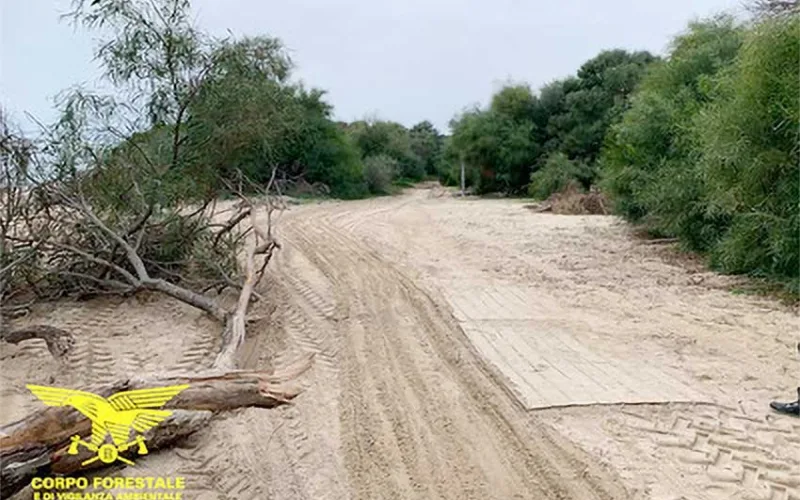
{"x":59,"y":342}
{"x":234,"y":333}
{"x":661,"y":241}
{"x":774,"y":7}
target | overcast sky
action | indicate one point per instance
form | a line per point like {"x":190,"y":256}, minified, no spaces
{"x":403,"y":60}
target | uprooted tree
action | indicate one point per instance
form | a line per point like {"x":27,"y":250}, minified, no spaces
{"x":63,"y":241}
{"x":111,"y":201}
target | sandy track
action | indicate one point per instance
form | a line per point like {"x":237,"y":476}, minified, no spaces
{"x":418,"y":416}
{"x":673,"y":330}
{"x":113,"y":338}
{"x":402,"y":403}
{"x":586,"y":282}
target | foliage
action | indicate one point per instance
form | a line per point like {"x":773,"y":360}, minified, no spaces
{"x":155,"y":50}
{"x":651,"y":157}
{"x":248,"y":120}
{"x":551,"y":103}
{"x":379,"y":171}
{"x":106,"y":205}
{"x":426,"y":145}
{"x":498,"y":141}
{"x":751,"y":154}
{"x":448,"y":166}
{"x":519,"y":131}
{"x":217,"y":109}
{"x":331,"y":158}
{"x":16,"y":154}
{"x":776,"y":8}
{"x":595,"y":100}
{"x":416,"y":151}
{"x":709,"y":150}
{"x":557,"y":173}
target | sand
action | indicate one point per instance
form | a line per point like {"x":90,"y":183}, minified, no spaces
{"x":467,"y":348}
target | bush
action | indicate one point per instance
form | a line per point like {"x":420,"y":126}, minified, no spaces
{"x":709,"y":150}
{"x":495,"y":144}
{"x":382,"y":138}
{"x":558,"y":172}
{"x":751,"y":153}
{"x":649,"y":161}
{"x":332,"y":159}
{"x":379,"y":171}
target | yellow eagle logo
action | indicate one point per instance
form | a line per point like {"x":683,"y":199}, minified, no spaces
{"x":136,"y":410}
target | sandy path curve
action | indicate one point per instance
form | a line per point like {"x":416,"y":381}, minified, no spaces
{"x":435,"y":324}
{"x":415,"y":411}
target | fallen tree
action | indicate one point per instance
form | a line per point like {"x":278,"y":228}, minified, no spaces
{"x":39,"y":443}
{"x":57,"y":221}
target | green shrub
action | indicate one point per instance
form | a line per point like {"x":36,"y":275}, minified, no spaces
{"x":332,"y":159}
{"x":393,"y":140}
{"x":709,"y":150}
{"x":649,"y":160}
{"x":558,"y":172}
{"x":379,"y":171}
{"x":751,"y":153}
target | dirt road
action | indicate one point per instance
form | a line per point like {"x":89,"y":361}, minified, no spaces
{"x":471,"y":349}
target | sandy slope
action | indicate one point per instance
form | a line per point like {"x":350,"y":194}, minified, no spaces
{"x":439,"y":327}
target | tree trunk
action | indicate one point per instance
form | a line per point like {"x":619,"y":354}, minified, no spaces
{"x":37,"y":445}
{"x":58,"y":341}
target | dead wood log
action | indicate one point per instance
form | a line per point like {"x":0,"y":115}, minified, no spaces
{"x":662,"y":241}
{"x":38,"y":444}
{"x":59,"y":342}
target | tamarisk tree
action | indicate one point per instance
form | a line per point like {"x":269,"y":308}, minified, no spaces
{"x":106,"y":202}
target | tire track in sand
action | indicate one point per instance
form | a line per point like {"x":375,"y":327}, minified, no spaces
{"x":92,"y":359}
{"x":420,"y":417}
{"x":307,"y":437}
{"x":740,"y":456}
{"x":292,"y":451}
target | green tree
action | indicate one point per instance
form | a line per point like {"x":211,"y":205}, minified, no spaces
{"x":244,"y":115}
{"x":550,"y":104}
{"x":748,"y":136}
{"x":519,"y":131}
{"x":156,"y":57}
{"x":426,"y":145}
{"x":595,"y":100}
{"x":157,"y":62}
{"x":709,"y":150}
{"x":248,"y":118}
{"x":556,"y":174}
{"x":650,"y":163}
{"x":374,"y":138}
{"x":499,"y":141}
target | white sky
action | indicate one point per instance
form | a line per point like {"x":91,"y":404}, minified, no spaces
{"x":403,"y":60}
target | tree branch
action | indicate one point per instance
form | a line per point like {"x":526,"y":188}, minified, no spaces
{"x":59,"y":342}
